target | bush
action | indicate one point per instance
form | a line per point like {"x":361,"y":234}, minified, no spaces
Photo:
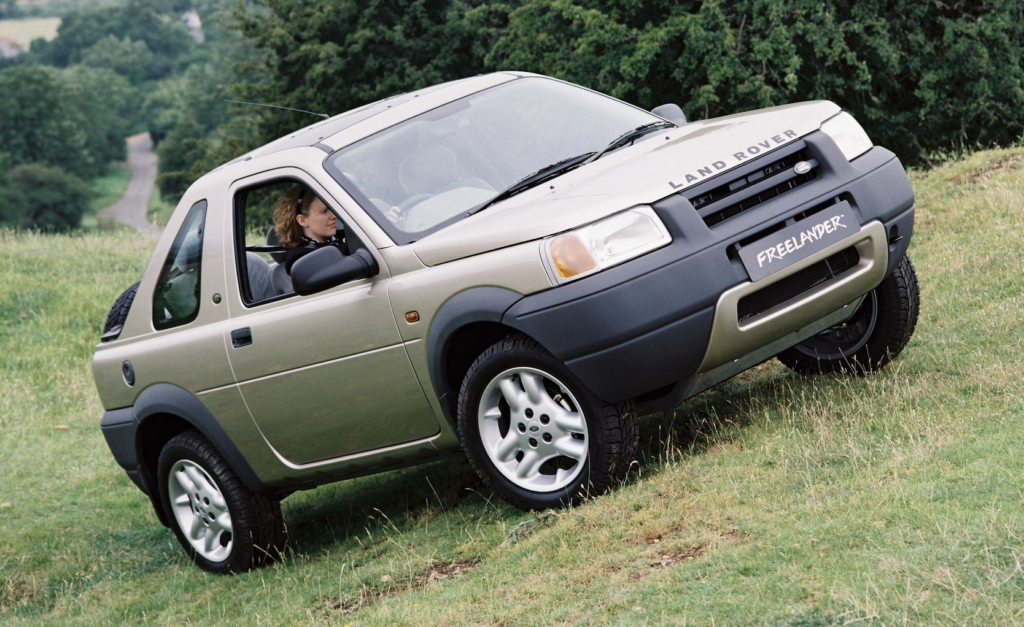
{"x":922,"y":77}
{"x":44,"y":198}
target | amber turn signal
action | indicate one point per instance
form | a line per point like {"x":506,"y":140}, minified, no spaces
{"x":570,"y":257}
{"x":412,"y":316}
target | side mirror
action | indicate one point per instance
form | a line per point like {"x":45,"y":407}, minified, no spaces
{"x":670,"y":112}
{"x":326,"y":267}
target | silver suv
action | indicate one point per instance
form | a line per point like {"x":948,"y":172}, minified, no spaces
{"x":522,"y":267}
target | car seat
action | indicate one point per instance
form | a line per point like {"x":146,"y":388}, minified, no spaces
{"x":273,"y":239}
{"x":260,"y":286}
{"x":279,"y":279}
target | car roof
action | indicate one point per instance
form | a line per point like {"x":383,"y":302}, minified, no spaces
{"x":406,"y":105}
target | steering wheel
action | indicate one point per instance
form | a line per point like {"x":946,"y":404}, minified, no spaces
{"x":412,"y":201}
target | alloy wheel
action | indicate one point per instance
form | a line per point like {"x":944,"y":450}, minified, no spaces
{"x":533,"y":429}
{"x":200,"y":510}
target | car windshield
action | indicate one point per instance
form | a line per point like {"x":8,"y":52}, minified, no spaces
{"x":427,"y":172}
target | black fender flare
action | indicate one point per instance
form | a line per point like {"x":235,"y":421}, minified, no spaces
{"x":167,"y":399}
{"x":479,"y":304}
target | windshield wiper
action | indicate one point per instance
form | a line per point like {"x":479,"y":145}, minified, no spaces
{"x":629,"y":137}
{"x":559,"y":168}
{"x":546,"y":173}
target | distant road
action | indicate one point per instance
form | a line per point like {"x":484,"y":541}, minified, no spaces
{"x":132,"y":207}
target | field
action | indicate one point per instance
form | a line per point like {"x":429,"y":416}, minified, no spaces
{"x":23,"y":31}
{"x":773,"y":499}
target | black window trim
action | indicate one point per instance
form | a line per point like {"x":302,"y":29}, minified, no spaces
{"x":238,"y":235}
{"x":198,"y":206}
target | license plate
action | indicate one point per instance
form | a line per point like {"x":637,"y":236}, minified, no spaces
{"x":799,"y":241}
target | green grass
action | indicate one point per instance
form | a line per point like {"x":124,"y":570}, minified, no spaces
{"x":160,"y":210}
{"x":773,"y":499}
{"x":109,"y":188}
{"x":106,"y":189}
{"x":23,"y":31}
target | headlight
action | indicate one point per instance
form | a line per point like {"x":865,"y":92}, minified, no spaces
{"x":603,"y":244}
{"x":847,"y":134}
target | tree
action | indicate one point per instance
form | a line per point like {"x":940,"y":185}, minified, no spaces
{"x":921,"y":77}
{"x":75,"y":119}
{"x":129,"y":58}
{"x":111,"y":106}
{"x":183,"y":147}
{"x":44,"y":198}
{"x":39,"y":123}
{"x":330,"y":57}
{"x":164,"y":105}
{"x":150,"y":22}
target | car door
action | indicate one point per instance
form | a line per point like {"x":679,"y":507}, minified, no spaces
{"x":324,"y":375}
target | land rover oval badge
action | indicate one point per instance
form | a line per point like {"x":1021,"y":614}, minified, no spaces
{"x":802,"y":168}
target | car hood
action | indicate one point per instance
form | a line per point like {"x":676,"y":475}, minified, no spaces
{"x":662,"y":164}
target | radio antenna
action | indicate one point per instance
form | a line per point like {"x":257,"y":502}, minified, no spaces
{"x":256,"y":104}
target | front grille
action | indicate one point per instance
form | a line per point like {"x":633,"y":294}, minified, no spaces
{"x":795,"y":285}
{"x":736,"y":195}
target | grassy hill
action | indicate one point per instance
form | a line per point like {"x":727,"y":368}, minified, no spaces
{"x":771,"y":500}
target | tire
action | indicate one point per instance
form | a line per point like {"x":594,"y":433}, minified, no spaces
{"x":556,"y":443}
{"x":119,"y":312}
{"x":222,"y":526}
{"x":872,"y":337}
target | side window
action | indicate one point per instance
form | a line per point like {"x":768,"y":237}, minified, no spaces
{"x":176,"y":299}
{"x":261,"y":250}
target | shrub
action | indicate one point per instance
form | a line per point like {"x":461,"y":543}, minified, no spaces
{"x":44,"y":198}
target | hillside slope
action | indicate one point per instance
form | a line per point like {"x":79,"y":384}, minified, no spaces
{"x":771,"y":500}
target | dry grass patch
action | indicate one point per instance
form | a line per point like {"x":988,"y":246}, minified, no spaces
{"x":427,"y":577}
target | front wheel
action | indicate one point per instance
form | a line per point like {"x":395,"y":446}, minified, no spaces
{"x":872,"y":337}
{"x":535,"y":434}
{"x":221,"y":524}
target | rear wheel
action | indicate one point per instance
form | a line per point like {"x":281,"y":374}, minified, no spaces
{"x":872,"y":337}
{"x":222,"y":525}
{"x":535,"y":434}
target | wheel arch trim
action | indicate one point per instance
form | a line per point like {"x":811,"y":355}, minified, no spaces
{"x":167,"y":400}
{"x":480,"y":304}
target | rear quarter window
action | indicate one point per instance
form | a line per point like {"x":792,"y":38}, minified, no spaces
{"x":176,"y":298}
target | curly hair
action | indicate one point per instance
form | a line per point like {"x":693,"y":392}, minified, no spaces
{"x":289,"y":206}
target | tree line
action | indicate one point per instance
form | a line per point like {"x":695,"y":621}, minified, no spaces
{"x":926,"y":79}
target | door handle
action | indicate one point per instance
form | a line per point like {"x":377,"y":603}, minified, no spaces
{"x":241,"y":337}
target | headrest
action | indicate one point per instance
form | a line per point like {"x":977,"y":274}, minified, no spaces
{"x":274,"y":240}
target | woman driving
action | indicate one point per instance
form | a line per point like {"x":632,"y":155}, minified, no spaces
{"x":304,"y":223}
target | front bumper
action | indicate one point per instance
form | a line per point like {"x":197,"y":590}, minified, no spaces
{"x":652,"y":327}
